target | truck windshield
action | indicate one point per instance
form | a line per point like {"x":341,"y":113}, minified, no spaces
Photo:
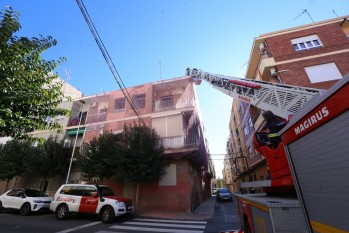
{"x":106,"y":191}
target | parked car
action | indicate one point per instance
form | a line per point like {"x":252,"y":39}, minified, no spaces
{"x":224,"y":194}
{"x":214,"y":191}
{"x":26,"y":200}
{"x":98,"y":199}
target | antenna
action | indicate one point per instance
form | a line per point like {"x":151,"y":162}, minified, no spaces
{"x":305,"y":11}
{"x":335,"y":13}
{"x":243,"y":64}
{"x":67,"y":77}
{"x":160,"y":69}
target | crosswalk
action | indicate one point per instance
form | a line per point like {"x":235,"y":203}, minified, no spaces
{"x":157,"y":225}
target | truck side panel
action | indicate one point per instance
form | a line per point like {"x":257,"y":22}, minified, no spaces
{"x":261,"y":221}
{"x":321,"y":165}
{"x":288,"y":219}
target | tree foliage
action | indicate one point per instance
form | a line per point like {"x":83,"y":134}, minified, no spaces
{"x":135,"y":156}
{"x":142,"y":157}
{"x":29,"y":92}
{"x":98,"y":156}
{"x":12,"y":157}
{"x":48,"y":159}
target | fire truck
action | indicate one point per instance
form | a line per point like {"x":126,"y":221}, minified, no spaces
{"x":309,"y":166}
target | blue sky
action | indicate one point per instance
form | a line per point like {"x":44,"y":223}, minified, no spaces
{"x":215,"y":36}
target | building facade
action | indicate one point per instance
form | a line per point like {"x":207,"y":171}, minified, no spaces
{"x":170,"y":107}
{"x":314,"y":55}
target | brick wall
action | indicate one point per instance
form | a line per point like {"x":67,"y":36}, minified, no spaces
{"x":333,"y":39}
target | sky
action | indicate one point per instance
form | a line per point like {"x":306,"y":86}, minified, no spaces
{"x":153,"y":40}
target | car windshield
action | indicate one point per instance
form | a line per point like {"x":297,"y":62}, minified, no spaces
{"x":34,"y":193}
{"x":223,"y":191}
{"x":106,"y":191}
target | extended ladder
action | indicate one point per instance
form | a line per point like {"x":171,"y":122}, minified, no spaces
{"x":282,"y":100}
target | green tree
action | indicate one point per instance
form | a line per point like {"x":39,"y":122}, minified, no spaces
{"x":142,"y":159}
{"x":12,"y":155}
{"x":219,"y":183}
{"x":98,"y":156}
{"x":29,"y":92}
{"x":49,"y":159}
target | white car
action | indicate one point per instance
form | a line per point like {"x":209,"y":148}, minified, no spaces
{"x":96,"y":199}
{"x":25,"y":200}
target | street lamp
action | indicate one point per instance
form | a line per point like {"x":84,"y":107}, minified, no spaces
{"x":76,"y":138}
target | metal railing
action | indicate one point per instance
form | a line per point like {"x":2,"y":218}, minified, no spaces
{"x":180,"y":141}
{"x":96,"y":117}
{"x":166,"y":105}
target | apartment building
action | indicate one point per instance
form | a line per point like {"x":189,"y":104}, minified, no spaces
{"x":314,"y":55}
{"x":170,"y":107}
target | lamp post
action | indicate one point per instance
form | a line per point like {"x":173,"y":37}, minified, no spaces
{"x":76,"y":138}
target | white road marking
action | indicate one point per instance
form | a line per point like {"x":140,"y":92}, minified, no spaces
{"x":79,"y":227}
{"x":140,"y":229}
{"x":109,"y":232}
{"x":165,"y":225}
{"x":163,"y":220}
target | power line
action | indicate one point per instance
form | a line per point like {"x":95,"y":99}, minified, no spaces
{"x":108,"y":59}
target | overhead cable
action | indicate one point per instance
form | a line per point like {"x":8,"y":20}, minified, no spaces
{"x":108,"y":59}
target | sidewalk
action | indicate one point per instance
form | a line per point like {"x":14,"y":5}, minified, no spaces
{"x":201,"y":213}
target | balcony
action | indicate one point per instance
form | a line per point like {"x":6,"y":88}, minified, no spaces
{"x":180,"y":141}
{"x":167,"y":104}
{"x":99,"y":117}
{"x":74,"y":121}
{"x":164,"y":105}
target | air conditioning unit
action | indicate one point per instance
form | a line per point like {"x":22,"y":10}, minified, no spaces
{"x":262,"y":48}
{"x":67,"y":143}
{"x":93,"y":104}
{"x":273,"y":73}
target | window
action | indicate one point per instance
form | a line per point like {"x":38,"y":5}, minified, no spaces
{"x":119,"y":104}
{"x":170,"y":177}
{"x":139,"y":100}
{"x":323,"y":72}
{"x":166,"y":102}
{"x":305,"y":43}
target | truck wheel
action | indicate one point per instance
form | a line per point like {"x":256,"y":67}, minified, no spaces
{"x":0,"y":206}
{"x":62,"y":212}
{"x":25,"y":209}
{"x":107,"y":214}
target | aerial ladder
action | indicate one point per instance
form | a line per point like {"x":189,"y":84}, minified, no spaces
{"x":283,"y":100}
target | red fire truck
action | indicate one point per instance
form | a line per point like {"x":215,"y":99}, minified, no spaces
{"x":311,"y":161}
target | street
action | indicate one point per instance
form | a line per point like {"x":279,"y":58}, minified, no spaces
{"x":224,"y":218}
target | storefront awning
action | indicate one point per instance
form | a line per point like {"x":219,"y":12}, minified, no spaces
{"x":74,"y":131}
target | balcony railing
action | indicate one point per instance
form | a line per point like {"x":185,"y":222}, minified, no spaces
{"x":180,"y":141}
{"x":166,"y":105}
{"x":74,"y":121}
{"x":96,"y":117}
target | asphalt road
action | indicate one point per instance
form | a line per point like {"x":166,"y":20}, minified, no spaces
{"x":224,"y":218}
